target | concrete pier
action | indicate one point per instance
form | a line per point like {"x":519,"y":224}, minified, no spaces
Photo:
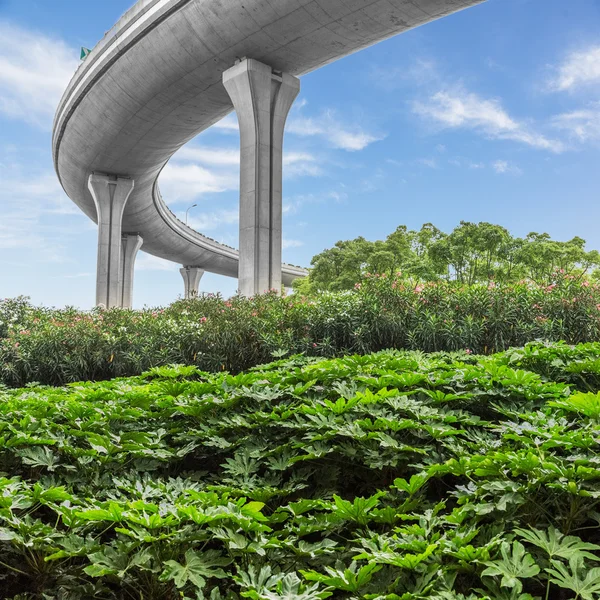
{"x":130,"y":244}
{"x":154,"y":82}
{"x":262,"y":99}
{"x":191,"y":281}
{"x":110,"y":195}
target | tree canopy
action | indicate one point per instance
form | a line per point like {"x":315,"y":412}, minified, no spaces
{"x":471,"y":253}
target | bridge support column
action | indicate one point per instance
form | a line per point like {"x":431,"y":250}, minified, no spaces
{"x":191,"y":281}
{"x":110,"y":195}
{"x":262,"y":99}
{"x":130,"y":244}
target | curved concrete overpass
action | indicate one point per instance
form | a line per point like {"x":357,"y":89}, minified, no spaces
{"x":156,"y":80}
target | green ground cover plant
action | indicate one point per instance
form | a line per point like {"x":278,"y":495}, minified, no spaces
{"x":59,"y":346}
{"x":389,"y":476}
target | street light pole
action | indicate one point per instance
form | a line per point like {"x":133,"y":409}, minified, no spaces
{"x":188,"y":210}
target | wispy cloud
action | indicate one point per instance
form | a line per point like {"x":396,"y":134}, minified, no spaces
{"x":578,"y":69}
{"x":463,"y":109}
{"x":581,"y":125}
{"x":294,"y":163}
{"x":147,"y":262}
{"x":184,"y":182}
{"x":328,"y":125}
{"x":209,"y":155}
{"x":338,"y":134}
{"x":287,"y":243}
{"x":420,"y":71}
{"x":298,"y":164}
{"x":30,"y":202}
{"x":228,"y":124}
{"x":465,"y":162}
{"x":34,"y":72}
{"x":431,"y":163}
{"x":213,"y":220}
{"x":504,"y":167}
{"x":294,"y":204}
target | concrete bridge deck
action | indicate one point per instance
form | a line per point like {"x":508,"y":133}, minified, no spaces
{"x":154,"y":82}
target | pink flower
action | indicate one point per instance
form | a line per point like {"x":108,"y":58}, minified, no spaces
{"x":586,"y":284}
{"x":418,"y":289}
{"x":468,"y":351}
{"x":203,"y":320}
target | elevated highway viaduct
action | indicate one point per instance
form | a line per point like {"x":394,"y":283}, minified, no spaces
{"x":167,"y":71}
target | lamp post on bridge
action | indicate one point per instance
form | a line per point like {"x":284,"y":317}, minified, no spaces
{"x":187,"y":211}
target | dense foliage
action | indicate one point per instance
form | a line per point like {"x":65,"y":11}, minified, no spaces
{"x":58,"y":346}
{"x":471,"y":253}
{"x":393,"y":476}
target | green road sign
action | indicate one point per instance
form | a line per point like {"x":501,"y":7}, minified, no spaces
{"x":84,"y":53}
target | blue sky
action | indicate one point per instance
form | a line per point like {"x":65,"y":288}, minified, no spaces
{"x":492,"y":114}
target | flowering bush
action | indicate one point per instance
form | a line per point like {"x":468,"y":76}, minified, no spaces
{"x":58,"y":346}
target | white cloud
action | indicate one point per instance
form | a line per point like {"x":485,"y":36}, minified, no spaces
{"x":420,"y":71}
{"x":228,"y":124}
{"x":465,"y":162}
{"x":582,"y":125}
{"x":197,"y":170}
{"x":339,"y":135}
{"x":463,"y":109}
{"x":77,"y":275}
{"x":286,"y":243}
{"x":147,"y":262}
{"x":30,"y":203}
{"x":203,"y":222}
{"x":298,"y":164}
{"x":428,"y":162}
{"x":184,"y":182}
{"x":209,"y":155}
{"x":579,"y":68}
{"x":34,"y":72}
{"x":503,"y":167}
{"x":292,"y":205}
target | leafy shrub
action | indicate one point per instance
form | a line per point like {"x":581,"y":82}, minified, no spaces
{"x":396,"y":475}
{"x":59,"y":346}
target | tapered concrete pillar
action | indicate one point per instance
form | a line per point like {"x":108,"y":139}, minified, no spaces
{"x":110,"y":195}
{"x":191,"y":281}
{"x":130,"y":244}
{"x":262,"y":100}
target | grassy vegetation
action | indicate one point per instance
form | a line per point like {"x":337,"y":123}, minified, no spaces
{"x":396,"y":475}
{"x":58,"y":346}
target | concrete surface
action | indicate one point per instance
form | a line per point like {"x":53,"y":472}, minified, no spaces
{"x":130,"y":244}
{"x":262,"y":101}
{"x":191,"y":281}
{"x":155,"y":81}
{"x":110,"y":195}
